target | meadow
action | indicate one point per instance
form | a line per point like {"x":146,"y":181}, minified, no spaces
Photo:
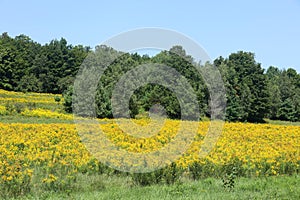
{"x":42,"y":156}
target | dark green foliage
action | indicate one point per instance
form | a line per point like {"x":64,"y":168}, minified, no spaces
{"x":29,"y":83}
{"x":68,"y":99}
{"x":287,"y":110}
{"x":177,"y":58}
{"x":30,"y":67}
{"x":284,"y":89}
{"x":195,"y":170}
{"x":229,"y":179}
{"x":57,"y":99}
{"x":247,"y":92}
{"x":251,"y":94}
{"x":114,"y":65}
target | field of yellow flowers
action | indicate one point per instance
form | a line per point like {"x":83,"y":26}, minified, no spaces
{"x":18,"y":102}
{"x":50,"y":155}
{"x":57,"y":150}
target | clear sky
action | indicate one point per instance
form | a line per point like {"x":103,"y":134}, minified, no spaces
{"x":269,"y":28}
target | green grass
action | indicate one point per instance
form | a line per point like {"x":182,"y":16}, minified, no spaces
{"x":113,"y":187}
{"x":32,"y":120}
{"x":43,"y":120}
{"x":278,"y":122}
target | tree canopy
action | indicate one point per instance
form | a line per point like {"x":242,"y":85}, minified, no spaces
{"x":252,"y":93}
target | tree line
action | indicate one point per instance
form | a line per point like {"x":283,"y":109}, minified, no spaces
{"x":252,"y":93}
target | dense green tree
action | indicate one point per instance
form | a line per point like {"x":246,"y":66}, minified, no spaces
{"x":289,"y":92}
{"x":252,"y":87}
{"x":283,"y":86}
{"x":29,"y":83}
{"x":184,"y":64}
{"x":273,"y":78}
{"x":247,"y":92}
{"x":287,"y":110}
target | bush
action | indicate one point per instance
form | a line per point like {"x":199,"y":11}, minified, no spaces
{"x":172,"y":173}
{"x":57,"y":99}
{"x":195,"y":170}
{"x":229,"y":179}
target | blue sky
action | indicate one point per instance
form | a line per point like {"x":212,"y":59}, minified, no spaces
{"x":269,"y":28}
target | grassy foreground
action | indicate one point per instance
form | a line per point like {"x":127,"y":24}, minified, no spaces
{"x":113,"y":187}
